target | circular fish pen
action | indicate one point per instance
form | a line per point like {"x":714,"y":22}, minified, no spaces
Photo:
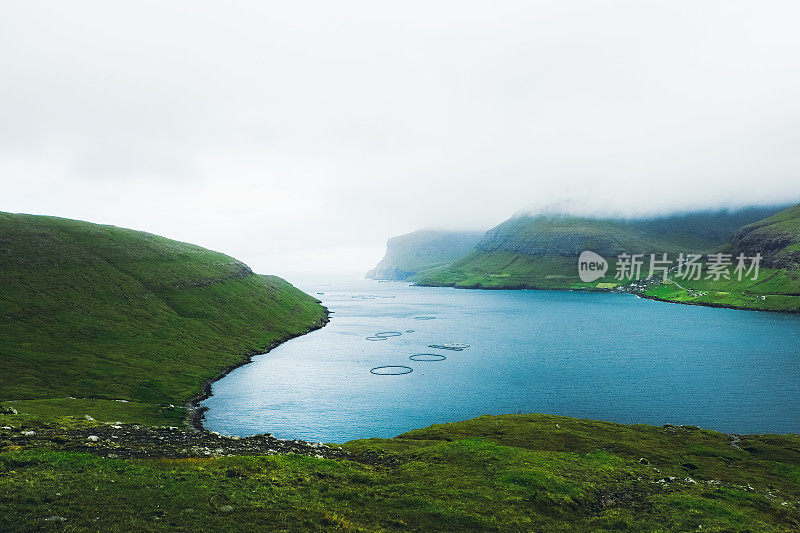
{"x":454,"y":346}
{"x":427,"y":357}
{"x":391,"y":370}
{"x":383,"y":335}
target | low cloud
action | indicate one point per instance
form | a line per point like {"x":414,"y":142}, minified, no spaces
{"x":299,"y":136}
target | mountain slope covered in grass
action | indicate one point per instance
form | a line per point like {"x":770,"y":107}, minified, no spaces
{"x":102,"y":313}
{"x":777,"y":286}
{"x":540,"y":252}
{"x":777,"y":238}
{"x":94,"y":311}
{"x":409,"y":254}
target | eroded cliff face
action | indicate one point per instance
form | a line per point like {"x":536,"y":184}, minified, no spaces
{"x":776,"y":238}
{"x":409,"y":254}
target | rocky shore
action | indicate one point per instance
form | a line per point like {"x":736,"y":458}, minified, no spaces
{"x":132,"y":441}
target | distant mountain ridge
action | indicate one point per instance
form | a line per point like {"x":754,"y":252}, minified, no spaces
{"x":415,"y":252}
{"x":564,"y":235}
{"x":540,"y":252}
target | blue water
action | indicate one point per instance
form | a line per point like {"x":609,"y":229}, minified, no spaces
{"x":601,"y":356}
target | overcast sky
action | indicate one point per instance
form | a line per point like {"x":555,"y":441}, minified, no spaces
{"x":299,"y":136}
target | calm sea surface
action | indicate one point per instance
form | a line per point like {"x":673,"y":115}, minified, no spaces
{"x":601,"y":356}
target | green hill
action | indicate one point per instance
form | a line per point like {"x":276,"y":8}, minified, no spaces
{"x":777,"y":286}
{"x":93,"y":311}
{"x":494,"y":473}
{"x":409,"y":254}
{"x":105,"y":313}
{"x":777,"y":238}
{"x":540,"y":252}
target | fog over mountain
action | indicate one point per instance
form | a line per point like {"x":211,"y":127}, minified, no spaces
{"x":299,"y":136}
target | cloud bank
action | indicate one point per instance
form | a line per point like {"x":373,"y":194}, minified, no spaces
{"x":300,"y":135}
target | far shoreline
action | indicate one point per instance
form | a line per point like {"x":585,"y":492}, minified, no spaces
{"x":606,"y":291}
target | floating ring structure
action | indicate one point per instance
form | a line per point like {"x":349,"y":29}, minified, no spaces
{"x":391,"y":370}
{"x":383,"y":335}
{"x":454,"y":346}
{"x":427,"y":357}
{"x":409,"y":331}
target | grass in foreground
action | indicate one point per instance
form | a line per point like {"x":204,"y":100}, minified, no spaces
{"x":493,"y":473}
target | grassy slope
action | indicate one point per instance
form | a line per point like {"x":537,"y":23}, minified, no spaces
{"x":498,"y":473}
{"x":99,"y":311}
{"x":103,"y":312}
{"x":774,"y":290}
{"x":508,"y":270}
{"x":777,"y":238}
{"x":777,"y":288}
{"x":541,"y":252}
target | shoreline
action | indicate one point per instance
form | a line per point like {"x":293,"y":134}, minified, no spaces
{"x":638,"y":294}
{"x":195,"y":413}
{"x":715,"y":305}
